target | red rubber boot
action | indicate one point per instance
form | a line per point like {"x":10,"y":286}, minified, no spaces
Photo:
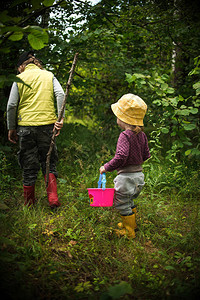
{"x":52,"y":191}
{"x":29,"y":195}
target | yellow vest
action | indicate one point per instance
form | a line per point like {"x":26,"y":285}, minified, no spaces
{"x":36,"y":105}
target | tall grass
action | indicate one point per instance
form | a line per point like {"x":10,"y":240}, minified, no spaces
{"x":73,"y":252}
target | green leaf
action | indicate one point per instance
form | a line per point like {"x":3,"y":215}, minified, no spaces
{"x":180,"y":98}
{"x":157,"y":102}
{"x":129,"y":78}
{"x":192,"y":72}
{"x":165,"y":77}
{"x":189,"y":126}
{"x":165,"y":130}
{"x":194,"y":110}
{"x":183,"y":106}
{"x":196,"y":85}
{"x":184,"y":112}
{"x":141,"y":81}
{"x":197,"y":91}
{"x":48,"y":2}
{"x":165,"y":102}
{"x":188,"y":152}
{"x":137,"y":75}
{"x":16,"y":36}
{"x":170,"y":91}
{"x":188,"y":143}
{"x":174,"y":101}
{"x":164,"y":86}
{"x":38,"y":39}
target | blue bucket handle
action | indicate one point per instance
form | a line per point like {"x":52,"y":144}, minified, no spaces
{"x":102,"y":181}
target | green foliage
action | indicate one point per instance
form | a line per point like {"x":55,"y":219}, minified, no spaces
{"x":73,"y":252}
{"x":175,"y":118}
{"x":5,"y":175}
{"x":167,"y":177}
{"x":11,"y":29}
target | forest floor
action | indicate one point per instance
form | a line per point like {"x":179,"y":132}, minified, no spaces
{"x":74,"y":253}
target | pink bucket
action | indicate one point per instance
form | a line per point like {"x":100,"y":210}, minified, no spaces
{"x":100,"y":197}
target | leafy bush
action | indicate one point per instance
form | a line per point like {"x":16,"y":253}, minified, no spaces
{"x":175,"y":119}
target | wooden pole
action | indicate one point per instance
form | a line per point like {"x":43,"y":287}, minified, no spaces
{"x":60,"y":117}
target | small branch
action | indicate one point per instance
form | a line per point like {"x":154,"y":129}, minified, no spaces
{"x":60,"y":117}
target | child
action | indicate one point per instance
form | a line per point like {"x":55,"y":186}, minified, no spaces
{"x":132,"y":150}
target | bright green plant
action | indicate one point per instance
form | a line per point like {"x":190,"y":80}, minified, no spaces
{"x":175,"y":118}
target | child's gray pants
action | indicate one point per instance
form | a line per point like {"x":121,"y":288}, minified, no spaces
{"x":127,"y":187}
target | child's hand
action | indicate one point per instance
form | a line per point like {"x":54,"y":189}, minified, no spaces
{"x":102,"y":170}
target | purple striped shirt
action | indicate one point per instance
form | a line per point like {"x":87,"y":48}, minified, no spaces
{"x":132,"y":149}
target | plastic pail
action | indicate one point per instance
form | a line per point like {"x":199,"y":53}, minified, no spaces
{"x":100,"y":197}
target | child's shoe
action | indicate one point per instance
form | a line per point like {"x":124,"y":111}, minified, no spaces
{"x":128,"y":223}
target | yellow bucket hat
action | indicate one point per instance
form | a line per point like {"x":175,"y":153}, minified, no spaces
{"x":130,"y":109}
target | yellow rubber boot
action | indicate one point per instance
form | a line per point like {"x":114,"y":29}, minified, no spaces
{"x":120,"y":224}
{"x":128,"y":226}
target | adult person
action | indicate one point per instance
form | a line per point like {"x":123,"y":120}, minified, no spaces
{"x":31,"y":120}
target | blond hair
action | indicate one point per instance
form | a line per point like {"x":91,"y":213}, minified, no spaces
{"x":137,"y":129}
{"x":30,"y":60}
